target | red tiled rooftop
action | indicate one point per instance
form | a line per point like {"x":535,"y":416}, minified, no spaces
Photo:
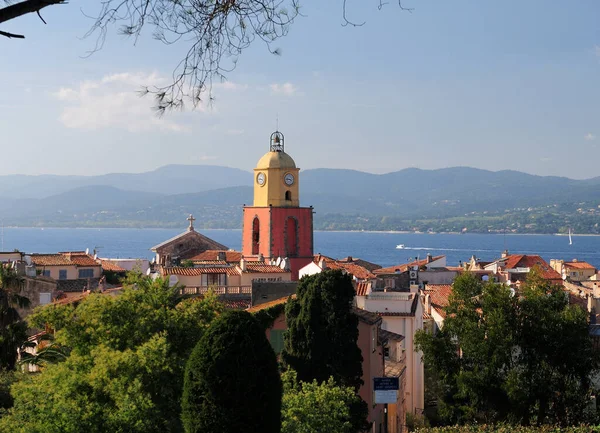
{"x":530,"y":261}
{"x":439,"y":295}
{"x":269,"y":304}
{"x":404,"y":267}
{"x":50,"y":260}
{"x":360,"y":262}
{"x":579,"y":265}
{"x":231,"y":256}
{"x":193,"y":272}
{"x":259,"y":267}
{"x":109,"y":266}
{"x":81,"y":259}
{"x":353,"y":269}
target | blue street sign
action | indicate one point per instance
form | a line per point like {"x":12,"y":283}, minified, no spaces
{"x":386,"y":384}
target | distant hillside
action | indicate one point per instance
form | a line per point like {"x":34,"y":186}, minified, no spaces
{"x":412,"y":199}
{"x":170,"y":179}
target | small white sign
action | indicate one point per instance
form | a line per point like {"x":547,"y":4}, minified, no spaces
{"x":388,"y":396}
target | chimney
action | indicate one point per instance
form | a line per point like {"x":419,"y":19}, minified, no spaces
{"x":428,"y":303}
{"x":574,"y":260}
{"x":322,"y":263}
{"x":349,"y":259}
{"x":261,"y":258}
{"x":221,"y":255}
{"x":504,"y":254}
{"x":429,"y":258}
{"x":243,"y":264}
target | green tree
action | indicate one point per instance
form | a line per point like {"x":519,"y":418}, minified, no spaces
{"x":501,"y":357}
{"x":321,"y":341}
{"x":125,"y":363}
{"x":232,"y":382}
{"x":13,"y":330}
{"x":312,"y":407}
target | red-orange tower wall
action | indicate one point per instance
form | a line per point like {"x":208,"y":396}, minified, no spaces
{"x":273,"y":234}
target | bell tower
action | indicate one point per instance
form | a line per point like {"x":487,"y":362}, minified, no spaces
{"x":276,"y":226}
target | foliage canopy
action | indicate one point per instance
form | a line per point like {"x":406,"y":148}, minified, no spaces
{"x":125,"y":367}
{"x":503,"y":358}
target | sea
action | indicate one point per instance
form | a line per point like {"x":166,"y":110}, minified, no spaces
{"x":376,"y":247}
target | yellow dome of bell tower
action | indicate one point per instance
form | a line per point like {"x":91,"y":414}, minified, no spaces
{"x":276,"y":177}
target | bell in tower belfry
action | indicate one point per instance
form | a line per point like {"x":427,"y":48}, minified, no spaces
{"x":276,"y":180}
{"x":276,"y":226}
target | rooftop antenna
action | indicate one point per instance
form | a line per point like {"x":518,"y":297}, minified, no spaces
{"x":276,"y":121}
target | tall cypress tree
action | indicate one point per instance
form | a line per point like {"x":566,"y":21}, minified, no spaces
{"x":321,"y":341}
{"x":232,"y":382}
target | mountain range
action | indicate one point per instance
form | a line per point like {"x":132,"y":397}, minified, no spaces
{"x":450,"y":199}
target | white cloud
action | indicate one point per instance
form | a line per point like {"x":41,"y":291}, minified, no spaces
{"x":113,"y":101}
{"x":589,"y":136}
{"x":230,"y":85}
{"x":286,"y":89}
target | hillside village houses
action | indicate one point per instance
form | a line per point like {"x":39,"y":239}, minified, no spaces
{"x":391,"y":303}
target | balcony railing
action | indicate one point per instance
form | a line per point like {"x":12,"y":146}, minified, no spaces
{"x":217,"y":290}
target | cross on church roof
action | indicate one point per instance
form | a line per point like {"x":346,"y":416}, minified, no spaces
{"x":191,"y":219}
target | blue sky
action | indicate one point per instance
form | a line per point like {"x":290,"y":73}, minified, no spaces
{"x":493,"y":85}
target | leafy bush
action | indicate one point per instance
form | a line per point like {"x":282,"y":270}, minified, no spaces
{"x":505,"y":428}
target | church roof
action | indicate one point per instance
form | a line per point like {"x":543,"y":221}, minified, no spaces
{"x":210,"y":244}
{"x":275,"y":160}
{"x":210,"y":255}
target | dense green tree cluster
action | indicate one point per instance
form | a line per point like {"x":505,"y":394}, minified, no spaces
{"x":524,"y":359}
{"x":321,"y":341}
{"x":125,"y":368}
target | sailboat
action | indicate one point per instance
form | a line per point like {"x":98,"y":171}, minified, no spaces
{"x":570,"y":239}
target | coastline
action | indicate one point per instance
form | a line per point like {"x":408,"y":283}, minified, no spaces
{"x":402,"y":232}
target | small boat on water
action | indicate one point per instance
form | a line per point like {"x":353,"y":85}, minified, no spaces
{"x":570,"y":240}
{"x":400,"y":246}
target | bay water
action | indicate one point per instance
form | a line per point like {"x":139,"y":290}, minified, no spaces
{"x":376,"y":247}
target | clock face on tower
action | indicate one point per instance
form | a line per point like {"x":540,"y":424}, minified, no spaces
{"x":261,"y":179}
{"x":289,"y":179}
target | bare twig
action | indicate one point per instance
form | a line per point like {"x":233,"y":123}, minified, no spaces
{"x":11,"y":35}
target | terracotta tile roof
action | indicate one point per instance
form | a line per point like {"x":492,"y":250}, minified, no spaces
{"x":269,"y":304}
{"x":231,"y":256}
{"x":404,"y":267}
{"x":360,"y":262}
{"x":366,"y":316}
{"x":259,"y":267}
{"x":109,"y":266}
{"x":317,"y":258}
{"x":192,"y":272}
{"x":353,"y":269}
{"x":362,"y":288}
{"x":50,"y":260}
{"x":529,"y":261}
{"x":217,"y":263}
{"x":81,"y":258}
{"x":578,"y":265}
{"x":439,"y":295}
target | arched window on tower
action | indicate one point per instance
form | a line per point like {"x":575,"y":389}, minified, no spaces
{"x":255,"y":235}
{"x":288,"y":195}
{"x":291,"y":236}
